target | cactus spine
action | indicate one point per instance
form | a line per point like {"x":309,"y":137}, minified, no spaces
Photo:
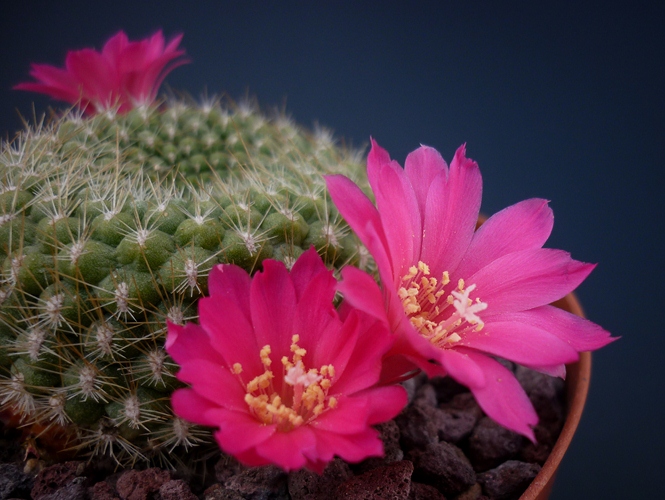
{"x":108,"y":228}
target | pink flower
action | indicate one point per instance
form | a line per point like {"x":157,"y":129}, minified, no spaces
{"x":124,"y":75}
{"x":276,"y":370}
{"x":455,"y":297}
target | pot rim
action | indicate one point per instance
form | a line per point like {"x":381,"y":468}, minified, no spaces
{"x":578,"y":376}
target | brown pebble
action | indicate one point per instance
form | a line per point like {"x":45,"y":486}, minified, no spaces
{"x":417,"y":427}
{"x":140,"y":485}
{"x":51,"y":479}
{"x":445,"y":467}
{"x":176,"y":489}
{"x":421,"y":491}
{"x":390,"y":482}
{"x":509,"y":480}
{"x":491,"y":444}
{"x":305,"y":484}
{"x":218,"y":492}
{"x":103,"y":491}
{"x":390,"y":436}
{"x":267,"y":481}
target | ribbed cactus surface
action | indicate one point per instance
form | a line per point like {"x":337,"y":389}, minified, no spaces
{"x":108,"y":228}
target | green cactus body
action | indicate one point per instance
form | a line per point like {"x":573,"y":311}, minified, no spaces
{"x":109,"y":227}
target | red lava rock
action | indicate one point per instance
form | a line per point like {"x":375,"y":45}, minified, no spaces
{"x":226,"y":467}
{"x":544,"y":392}
{"x":445,"y":467}
{"x":218,"y":492}
{"x":140,"y":485}
{"x":176,"y":489}
{"x":509,"y":480}
{"x":390,"y":437}
{"x":426,"y":395}
{"x":421,"y":491}
{"x":305,"y":484}
{"x":454,"y":425}
{"x":538,"y":452}
{"x":417,"y":427}
{"x":267,"y":482}
{"x":491,"y":444}
{"x":51,"y":479}
{"x":446,"y":388}
{"x":76,"y":489}
{"x":390,"y":482}
{"x":14,"y":482}
{"x":103,"y":491}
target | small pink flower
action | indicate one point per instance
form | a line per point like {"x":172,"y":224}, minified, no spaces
{"x":275,"y":369}
{"x":122,"y":76}
{"x":456,"y":297}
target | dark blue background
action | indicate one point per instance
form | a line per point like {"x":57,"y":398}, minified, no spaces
{"x":564,"y":102}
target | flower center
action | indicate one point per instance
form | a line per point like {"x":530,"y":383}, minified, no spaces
{"x":304,"y":394}
{"x":427,"y":305}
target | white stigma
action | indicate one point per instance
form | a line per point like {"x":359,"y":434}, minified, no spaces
{"x":297,"y":376}
{"x":467,"y":308}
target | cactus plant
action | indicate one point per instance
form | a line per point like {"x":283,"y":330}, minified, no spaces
{"x":109,"y":226}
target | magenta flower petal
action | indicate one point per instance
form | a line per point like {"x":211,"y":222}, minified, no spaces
{"x":463,"y":368}
{"x":353,"y":448}
{"x":529,"y":278}
{"x":289,"y":451}
{"x":288,"y":372}
{"x":421,"y":167}
{"x":581,"y":334}
{"x":191,"y":406}
{"x":520,"y":343}
{"x":239,"y":431}
{"x":503,"y":398}
{"x":402,"y":225}
{"x":122,"y":76}
{"x":305,"y":269}
{"x":213,"y":382}
{"x":186,"y":342}
{"x":360,"y":289}
{"x":231,"y":282}
{"x":385,"y":403}
{"x":354,"y":419}
{"x":273,"y":306}
{"x":358,"y":211}
{"x":235,"y":340}
{"x":455,"y":297}
{"x":451,"y":213}
{"x":525,"y":225}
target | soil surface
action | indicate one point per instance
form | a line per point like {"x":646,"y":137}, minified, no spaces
{"x":441,"y":446}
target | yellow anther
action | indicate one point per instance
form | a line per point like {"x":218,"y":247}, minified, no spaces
{"x":445,"y":278}
{"x":237,"y":368}
{"x":423,"y":267}
{"x":413,"y":270}
{"x":318,"y":409}
{"x":454,"y":337}
{"x":325,"y":384}
{"x":265,"y":356}
{"x":332,"y":402}
{"x":460,"y":284}
{"x":295,"y":339}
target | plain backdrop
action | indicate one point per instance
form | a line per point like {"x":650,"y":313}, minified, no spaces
{"x":564,"y":101}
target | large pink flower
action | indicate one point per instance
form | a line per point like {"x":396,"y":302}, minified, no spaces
{"x":456,"y":298}
{"x":122,"y":76}
{"x":276,"y":370}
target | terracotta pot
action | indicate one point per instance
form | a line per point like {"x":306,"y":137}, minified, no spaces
{"x":577,"y":386}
